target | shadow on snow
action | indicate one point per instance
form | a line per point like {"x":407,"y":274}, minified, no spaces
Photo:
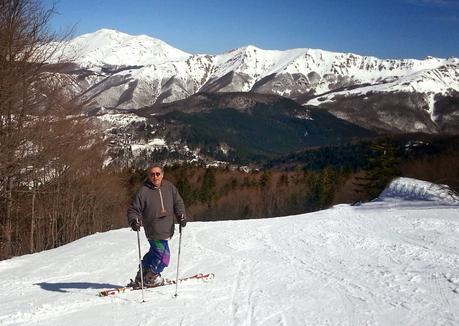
{"x":61,"y":287}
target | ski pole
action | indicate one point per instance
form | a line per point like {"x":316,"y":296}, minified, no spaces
{"x":140,"y":264}
{"x":178,"y":260}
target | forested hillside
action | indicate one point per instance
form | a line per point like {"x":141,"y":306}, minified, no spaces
{"x":313,"y":179}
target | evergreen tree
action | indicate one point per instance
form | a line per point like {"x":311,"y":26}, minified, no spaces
{"x":208,"y":191}
{"x":186,"y":190}
{"x":384,"y":166}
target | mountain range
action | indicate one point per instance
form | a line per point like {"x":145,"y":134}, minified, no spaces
{"x":117,"y":71}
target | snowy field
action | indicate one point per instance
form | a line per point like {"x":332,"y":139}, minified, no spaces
{"x":394,"y":261}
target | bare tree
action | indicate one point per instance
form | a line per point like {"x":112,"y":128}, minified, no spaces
{"x":51,"y":155}
{"x":23,"y":35}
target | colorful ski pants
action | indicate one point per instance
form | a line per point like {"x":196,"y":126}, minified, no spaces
{"x":158,"y":257}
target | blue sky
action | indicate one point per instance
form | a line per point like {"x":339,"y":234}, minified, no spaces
{"x":386,"y":28}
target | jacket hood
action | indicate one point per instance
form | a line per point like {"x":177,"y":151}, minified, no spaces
{"x":149,"y":184}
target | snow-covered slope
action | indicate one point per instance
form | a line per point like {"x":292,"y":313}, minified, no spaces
{"x":375,"y":264}
{"x":431,"y":76}
{"x":111,"y":47}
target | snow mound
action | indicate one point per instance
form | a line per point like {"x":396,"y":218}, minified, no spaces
{"x":408,"y":189}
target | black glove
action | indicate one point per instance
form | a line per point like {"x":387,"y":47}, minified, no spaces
{"x":182,"y":220}
{"x":135,"y":225}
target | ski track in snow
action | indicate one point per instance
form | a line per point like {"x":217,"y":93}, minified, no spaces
{"x":389,"y":262}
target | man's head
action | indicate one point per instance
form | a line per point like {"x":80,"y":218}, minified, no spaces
{"x":155,"y":174}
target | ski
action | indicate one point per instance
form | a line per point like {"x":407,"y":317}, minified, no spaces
{"x":129,"y":287}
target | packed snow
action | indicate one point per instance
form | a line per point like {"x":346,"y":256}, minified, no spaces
{"x":393,"y":261}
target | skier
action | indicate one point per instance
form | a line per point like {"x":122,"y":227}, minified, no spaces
{"x":154,"y":206}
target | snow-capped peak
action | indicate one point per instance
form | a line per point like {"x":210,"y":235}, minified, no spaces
{"x":111,"y":47}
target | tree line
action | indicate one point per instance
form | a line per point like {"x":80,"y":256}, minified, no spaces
{"x":222,"y":193}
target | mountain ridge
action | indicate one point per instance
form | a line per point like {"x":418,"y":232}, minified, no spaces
{"x":117,"y":70}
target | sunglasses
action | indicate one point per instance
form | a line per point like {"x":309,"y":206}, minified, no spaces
{"x":155,"y":174}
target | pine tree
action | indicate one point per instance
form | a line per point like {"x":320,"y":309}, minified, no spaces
{"x":208,"y":191}
{"x":186,"y":190}
{"x":384,"y":166}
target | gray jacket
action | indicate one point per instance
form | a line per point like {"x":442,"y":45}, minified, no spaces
{"x":156,"y":207}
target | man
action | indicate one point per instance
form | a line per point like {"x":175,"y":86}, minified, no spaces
{"x":154,"y":206}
